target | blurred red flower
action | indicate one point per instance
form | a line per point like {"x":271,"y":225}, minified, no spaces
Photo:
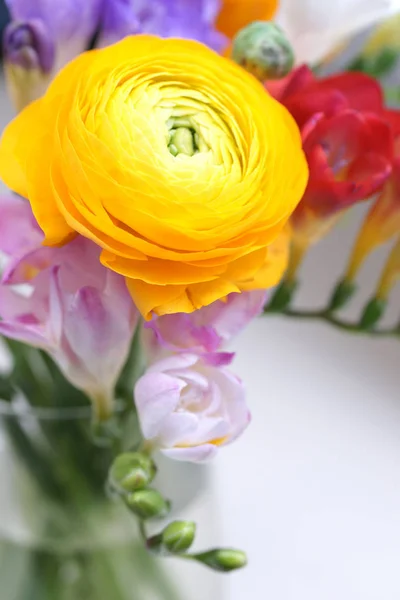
{"x":347,"y":139}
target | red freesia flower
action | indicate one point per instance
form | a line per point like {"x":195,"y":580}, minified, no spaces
{"x":347,"y":139}
{"x":383,"y":219}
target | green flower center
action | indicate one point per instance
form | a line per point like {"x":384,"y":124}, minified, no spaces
{"x":184,"y":137}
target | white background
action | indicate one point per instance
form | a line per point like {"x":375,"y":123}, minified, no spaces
{"x":312,"y":490}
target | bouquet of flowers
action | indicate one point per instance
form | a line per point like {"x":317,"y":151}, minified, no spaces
{"x":170,"y":161}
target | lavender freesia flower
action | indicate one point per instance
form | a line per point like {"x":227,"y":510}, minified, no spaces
{"x":193,"y":19}
{"x":77,"y":310}
{"x":69,"y":24}
{"x":29,"y":54}
{"x":28,"y":45}
{"x":205,"y":330}
{"x":189,"y":406}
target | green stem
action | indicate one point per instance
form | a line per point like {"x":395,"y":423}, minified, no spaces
{"x":327,"y":317}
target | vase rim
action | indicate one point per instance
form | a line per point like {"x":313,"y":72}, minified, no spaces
{"x":51,"y":413}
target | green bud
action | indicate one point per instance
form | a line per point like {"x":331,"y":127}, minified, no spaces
{"x":182,"y":141}
{"x":223,"y":559}
{"x":377,"y":65}
{"x":373,"y":312}
{"x":178,"y":536}
{"x":148,"y":504}
{"x":263,"y":50}
{"x":283,"y":296}
{"x":131,"y":471}
{"x":342,"y":294}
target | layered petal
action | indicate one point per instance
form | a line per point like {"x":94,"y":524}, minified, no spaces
{"x":205,"y":330}
{"x":186,"y":223}
{"x":188,"y":407}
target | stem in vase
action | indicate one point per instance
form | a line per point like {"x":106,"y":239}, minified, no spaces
{"x":103,"y":406}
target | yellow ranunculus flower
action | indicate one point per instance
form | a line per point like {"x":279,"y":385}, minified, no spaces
{"x":236,"y":14}
{"x":171,"y":158}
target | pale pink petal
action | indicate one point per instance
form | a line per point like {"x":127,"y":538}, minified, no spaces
{"x":208,"y":430}
{"x":238,"y":311}
{"x":18,"y":231}
{"x":176,"y":427}
{"x":219,"y":359}
{"x":56,"y":309}
{"x":26,"y":333}
{"x":13,"y":303}
{"x":156,"y":397}
{"x":27,"y":266}
{"x":99,"y":338}
{"x":197,"y":454}
{"x":175,"y":362}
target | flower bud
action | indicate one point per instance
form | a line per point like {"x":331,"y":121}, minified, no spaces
{"x":131,"y":472}
{"x":29,"y":55}
{"x":283,"y":296}
{"x":223,"y":559}
{"x":148,"y":504}
{"x":342,"y":294}
{"x":263,"y":50}
{"x":178,"y":536}
{"x":28,"y":45}
{"x":373,"y":312}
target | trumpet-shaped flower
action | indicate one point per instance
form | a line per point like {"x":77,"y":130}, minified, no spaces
{"x":75,"y":309}
{"x":349,"y":145}
{"x":189,"y":406}
{"x":69,"y":24}
{"x":390,"y":274}
{"x":383,"y":219}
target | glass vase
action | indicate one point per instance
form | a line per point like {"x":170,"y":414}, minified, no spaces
{"x":62,"y":534}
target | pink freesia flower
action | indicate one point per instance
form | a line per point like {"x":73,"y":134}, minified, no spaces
{"x":77,"y":310}
{"x":189,"y":406}
{"x":205,"y":330}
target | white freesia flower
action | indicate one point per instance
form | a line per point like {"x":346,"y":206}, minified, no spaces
{"x":316,"y":27}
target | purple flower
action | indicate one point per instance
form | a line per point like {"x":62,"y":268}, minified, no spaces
{"x":28,"y":45}
{"x":189,"y":406}
{"x":71,"y":306}
{"x":205,"y":330}
{"x":192,"y":19}
{"x":69,"y":24}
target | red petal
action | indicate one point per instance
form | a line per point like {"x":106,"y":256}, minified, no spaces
{"x":361,"y":91}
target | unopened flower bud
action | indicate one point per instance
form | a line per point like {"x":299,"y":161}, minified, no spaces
{"x":263,"y":50}
{"x":223,"y":559}
{"x":28,"y":45}
{"x":343,"y":292}
{"x":372,"y":314}
{"x":131,"y":471}
{"x":178,"y":536}
{"x":283,"y":296}
{"x":148,"y":504}
{"x":29,"y":55}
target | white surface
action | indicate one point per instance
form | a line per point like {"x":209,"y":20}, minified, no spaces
{"x":312,"y":490}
